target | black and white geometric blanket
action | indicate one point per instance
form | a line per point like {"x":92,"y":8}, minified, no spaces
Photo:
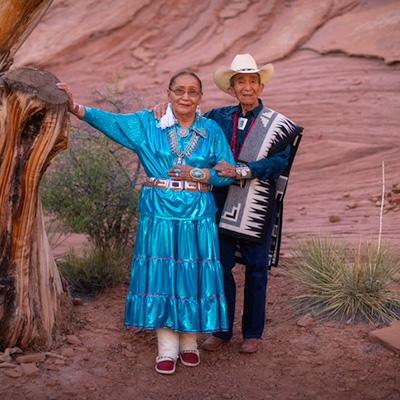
{"x":250,"y":204}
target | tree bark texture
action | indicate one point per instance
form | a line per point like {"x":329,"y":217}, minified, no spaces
{"x":18,"y":18}
{"x":35,"y":304}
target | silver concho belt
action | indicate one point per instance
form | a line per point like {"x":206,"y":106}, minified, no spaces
{"x":170,"y":184}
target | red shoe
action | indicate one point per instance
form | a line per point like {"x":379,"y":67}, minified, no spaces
{"x":190,"y":358}
{"x":165,"y":365}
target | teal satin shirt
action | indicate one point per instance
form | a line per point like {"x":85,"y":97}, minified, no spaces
{"x":139,"y":132}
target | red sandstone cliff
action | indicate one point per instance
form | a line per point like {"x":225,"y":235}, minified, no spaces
{"x":336,"y":73}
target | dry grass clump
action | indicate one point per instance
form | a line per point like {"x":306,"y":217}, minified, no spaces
{"x":88,"y":274}
{"x":347,"y":283}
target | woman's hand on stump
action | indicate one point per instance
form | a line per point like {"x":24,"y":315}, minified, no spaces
{"x":73,"y":107}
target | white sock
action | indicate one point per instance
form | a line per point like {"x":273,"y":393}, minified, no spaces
{"x":187,"y":341}
{"x":168,"y":343}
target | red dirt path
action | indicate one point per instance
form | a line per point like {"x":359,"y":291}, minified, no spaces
{"x":324,"y":361}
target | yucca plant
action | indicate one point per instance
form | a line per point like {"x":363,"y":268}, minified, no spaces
{"x":348,"y":283}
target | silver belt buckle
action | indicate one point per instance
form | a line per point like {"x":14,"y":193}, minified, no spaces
{"x":161,"y":183}
{"x":175,"y":185}
{"x":191,"y":186}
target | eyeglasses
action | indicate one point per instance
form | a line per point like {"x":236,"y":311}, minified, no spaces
{"x":181,"y":92}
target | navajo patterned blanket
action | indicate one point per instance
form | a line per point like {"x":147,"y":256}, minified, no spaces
{"x":250,"y":204}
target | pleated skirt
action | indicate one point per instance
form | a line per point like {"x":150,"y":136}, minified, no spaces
{"x":176,"y":277}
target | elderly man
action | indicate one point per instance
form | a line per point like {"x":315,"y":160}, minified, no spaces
{"x":264,"y":144}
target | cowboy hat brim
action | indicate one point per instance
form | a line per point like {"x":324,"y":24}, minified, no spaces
{"x":223,"y":75}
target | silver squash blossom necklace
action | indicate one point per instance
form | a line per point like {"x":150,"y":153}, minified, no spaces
{"x":174,"y":146}
{"x":183,"y":132}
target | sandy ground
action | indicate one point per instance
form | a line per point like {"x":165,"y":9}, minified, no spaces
{"x":102,"y":359}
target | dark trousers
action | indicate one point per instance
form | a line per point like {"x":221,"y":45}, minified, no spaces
{"x":255,"y":257}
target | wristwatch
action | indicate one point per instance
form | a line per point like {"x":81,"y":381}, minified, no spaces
{"x":243,"y":171}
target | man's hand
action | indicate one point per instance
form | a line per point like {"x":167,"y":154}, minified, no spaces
{"x":159,"y":110}
{"x":225,"y":169}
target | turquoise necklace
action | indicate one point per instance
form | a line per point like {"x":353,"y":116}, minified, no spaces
{"x":174,"y":145}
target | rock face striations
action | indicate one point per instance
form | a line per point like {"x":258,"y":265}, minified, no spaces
{"x":156,"y":39}
{"x":336,"y":73}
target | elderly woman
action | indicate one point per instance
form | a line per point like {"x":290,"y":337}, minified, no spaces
{"x":176,"y":283}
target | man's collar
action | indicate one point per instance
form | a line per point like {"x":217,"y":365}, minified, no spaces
{"x":255,"y":111}
{"x":260,"y":106}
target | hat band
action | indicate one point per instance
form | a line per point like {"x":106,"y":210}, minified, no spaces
{"x":245,"y":69}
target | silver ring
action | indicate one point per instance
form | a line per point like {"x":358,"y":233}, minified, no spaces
{"x":176,"y":173}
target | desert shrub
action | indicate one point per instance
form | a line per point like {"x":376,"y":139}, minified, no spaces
{"x":56,"y":233}
{"x":95,"y":270}
{"x":91,"y":188}
{"x":350,"y":283}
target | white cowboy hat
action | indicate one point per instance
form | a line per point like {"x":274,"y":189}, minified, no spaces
{"x":242,"y":64}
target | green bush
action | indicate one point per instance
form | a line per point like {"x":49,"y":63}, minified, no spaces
{"x":91,"y":188}
{"x":56,"y":233}
{"x":95,"y":270}
{"x":349,"y":283}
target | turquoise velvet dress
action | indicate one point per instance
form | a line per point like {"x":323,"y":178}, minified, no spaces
{"x":176,"y":277}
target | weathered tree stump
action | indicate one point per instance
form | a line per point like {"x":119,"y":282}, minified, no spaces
{"x":35,"y":304}
{"x":17,"y":21}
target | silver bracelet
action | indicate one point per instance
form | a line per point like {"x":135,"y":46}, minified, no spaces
{"x":243,"y":172}
{"x":76,"y":108}
{"x":197,"y":174}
